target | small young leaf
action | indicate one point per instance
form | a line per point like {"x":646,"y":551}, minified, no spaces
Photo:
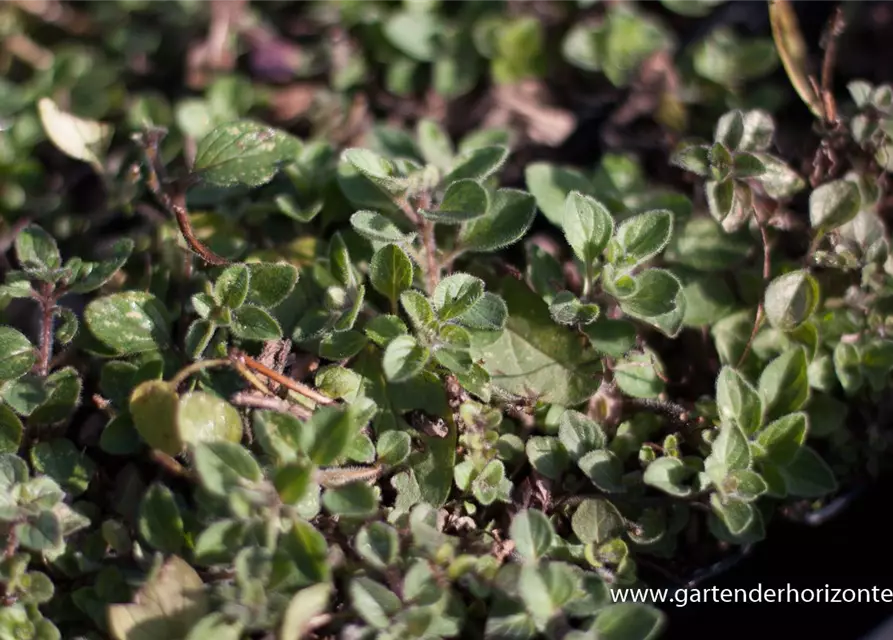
{"x":604,"y":469}
{"x":791,"y":299}
{"x":693,"y":158}
{"x":782,"y":439}
{"x":735,"y":514}
{"x":731,"y":448}
{"x":244,"y":152}
{"x":68,"y":325}
{"x":378,"y":170}
{"x":231,"y":288}
{"x":643,"y":236}
{"x":391,"y":272}
{"x":489,"y":313}
{"x":418,"y":308}
{"x":35,"y":248}
{"x":404,"y":358}
{"x":39,"y":533}
{"x":566,"y":309}
{"x":90,"y":279}
{"x":737,"y":401}
{"x":730,"y":129}
{"x":198,"y":337}
{"x":588,"y":226}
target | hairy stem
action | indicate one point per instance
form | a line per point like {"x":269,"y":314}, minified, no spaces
{"x":767,"y":270}
{"x":432,"y":269}
{"x":47,"y":301}
{"x":833,"y":33}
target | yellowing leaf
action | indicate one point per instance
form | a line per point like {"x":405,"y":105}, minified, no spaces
{"x":85,"y":140}
{"x":167,"y":606}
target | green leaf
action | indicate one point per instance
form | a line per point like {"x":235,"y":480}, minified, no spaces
{"x":37,"y":249}
{"x":198,"y":337}
{"x":791,"y":299}
{"x":833,"y":204}
{"x":25,"y":394}
{"x":404,"y":358}
{"x":343,"y":345}
{"x":462,"y":201}
{"x":778,"y":180}
{"x":250,"y":322}
{"x":68,"y":325}
{"x":128,"y":322}
{"x":231,"y":288}
{"x":784,"y":383}
{"x":39,"y":533}
{"x":329,"y":432}
{"x":566,"y":309}
{"x":545,"y":588}
{"x":597,"y":520}
{"x":391,"y":272}
{"x":744,"y":485}
{"x":612,"y":337}
{"x":415,"y":33}
{"x":11,"y":430}
{"x":643,"y":236}
{"x":737,"y":401}
{"x":60,"y":460}
{"x":18,"y":354}
{"x":379,"y":171}
{"x":160,"y":523}
{"x":509,"y":217}
{"x":94,"y":275}
{"x":551,"y":185}
{"x":547,"y":456}
{"x":375,"y":227}
{"x":374,"y":602}
{"x":452,"y":349}
{"x":244,"y":153}
{"x":382,"y":329}
{"x":808,"y":475}
{"x":730,"y":449}
{"x":270,"y":283}
{"x":203,"y":417}
{"x":224,"y":466}
{"x":692,"y":157}
{"x":292,"y":481}
{"x":154,"y":406}
{"x":354,"y":500}
{"x":588,"y":226}
{"x":491,"y":483}
{"x":670,"y":475}
{"x":477,"y":164}
{"x":604,"y":469}
{"x":378,"y":544}
{"x":782,"y":439}
{"x":630,"y":620}
{"x":579,"y":433}
{"x":658,"y":299}
{"x":532,"y":533}
{"x":434,"y":143}
{"x":456,"y":294}
{"x":636,"y":375}
{"x":489,"y":313}
{"x":393,"y":448}
{"x":418,"y":308}
{"x":735,"y":514}
{"x":533,"y":354}
{"x":340,"y":263}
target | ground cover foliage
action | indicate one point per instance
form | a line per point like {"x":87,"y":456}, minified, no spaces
{"x":312,"y":329}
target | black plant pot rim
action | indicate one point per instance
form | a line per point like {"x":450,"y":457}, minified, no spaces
{"x":831,"y":510}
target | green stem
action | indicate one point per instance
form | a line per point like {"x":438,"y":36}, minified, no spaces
{"x":195,"y":367}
